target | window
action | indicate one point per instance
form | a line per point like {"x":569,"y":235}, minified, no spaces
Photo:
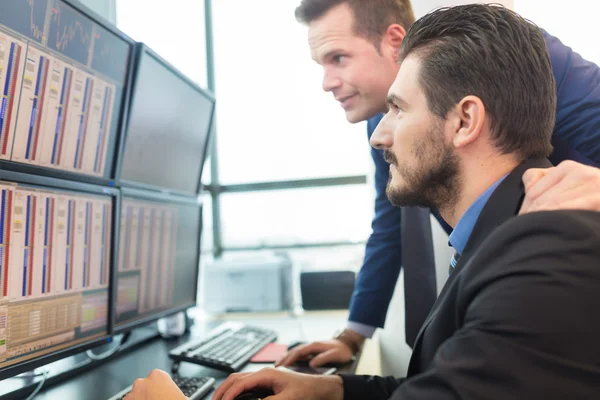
{"x":174,"y":29}
{"x":296,"y":216}
{"x":274,"y":121}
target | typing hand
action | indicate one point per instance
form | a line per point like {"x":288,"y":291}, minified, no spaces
{"x":157,"y":385}
{"x":569,"y":185}
{"x":326,"y":352}
{"x":286,"y":385}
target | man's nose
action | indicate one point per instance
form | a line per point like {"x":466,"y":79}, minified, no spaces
{"x":331,"y":81}
{"x":382,"y":137}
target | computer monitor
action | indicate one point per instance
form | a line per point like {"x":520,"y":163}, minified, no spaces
{"x":56,"y":253}
{"x":158,"y":261}
{"x":64,"y":77}
{"x":168,"y":128}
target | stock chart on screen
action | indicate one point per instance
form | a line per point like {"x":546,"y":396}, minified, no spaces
{"x":62,"y":78}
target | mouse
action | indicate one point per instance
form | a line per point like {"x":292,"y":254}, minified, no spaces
{"x":295,"y":344}
{"x":256,"y":394}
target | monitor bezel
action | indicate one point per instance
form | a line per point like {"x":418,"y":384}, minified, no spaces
{"x":140,"y":50}
{"x":165,"y":198}
{"x":49,"y":183}
{"x":110,"y":169}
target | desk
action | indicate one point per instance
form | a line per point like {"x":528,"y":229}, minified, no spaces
{"x":106,"y":380}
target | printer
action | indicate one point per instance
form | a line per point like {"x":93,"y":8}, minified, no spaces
{"x":263,"y":282}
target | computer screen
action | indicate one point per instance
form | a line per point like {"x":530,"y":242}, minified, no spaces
{"x":158,"y":261}
{"x":168,"y":128}
{"x":55,"y":260}
{"x":63,"y":79}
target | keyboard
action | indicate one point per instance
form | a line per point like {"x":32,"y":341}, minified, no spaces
{"x":194,"y":388}
{"x":227,"y":348}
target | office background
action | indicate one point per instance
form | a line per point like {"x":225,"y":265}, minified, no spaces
{"x":329,"y":224}
{"x":327,"y":179}
{"x":287,"y":173}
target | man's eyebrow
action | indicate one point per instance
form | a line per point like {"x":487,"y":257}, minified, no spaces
{"x":328,"y":55}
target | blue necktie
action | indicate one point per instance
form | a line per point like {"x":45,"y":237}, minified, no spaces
{"x":453,"y":262}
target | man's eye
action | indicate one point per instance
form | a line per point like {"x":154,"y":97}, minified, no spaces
{"x":338,"y":59}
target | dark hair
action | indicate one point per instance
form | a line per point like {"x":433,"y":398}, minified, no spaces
{"x":372,"y":17}
{"x":493,"y":53}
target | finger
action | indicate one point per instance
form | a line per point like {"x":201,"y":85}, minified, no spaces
{"x":283,"y":359}
{"x":531,"y":176}
{"x":136,"y":389}
{"x":583,"y":204}
{"x":160,"y":376}
{"x":331,"y":356}
{"x":265,"y":378}
{"x":289,"y":354}
{"x":226,"y":385}
{"x":303,"y":351}
{"x":565,"y":189}
{"x":552,"y":178}
{"x":574,"y":198}
{"x":289,"y":358}
{"x":137,"y":385}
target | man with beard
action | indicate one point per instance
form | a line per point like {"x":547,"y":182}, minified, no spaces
{"x":472,"y":109}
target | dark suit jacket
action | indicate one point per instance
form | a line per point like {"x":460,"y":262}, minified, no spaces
{"x":519,"y":318}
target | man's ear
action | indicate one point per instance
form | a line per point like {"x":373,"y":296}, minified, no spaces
{"x":392,"y":39}
{"x":469,"y":118}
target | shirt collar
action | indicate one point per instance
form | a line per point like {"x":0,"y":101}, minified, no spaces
{"x":461,"y":233}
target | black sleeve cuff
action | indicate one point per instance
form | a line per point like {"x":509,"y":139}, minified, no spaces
{"x":359,"y":387}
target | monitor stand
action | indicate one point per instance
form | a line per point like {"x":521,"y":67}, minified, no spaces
{"x":174,"y":326}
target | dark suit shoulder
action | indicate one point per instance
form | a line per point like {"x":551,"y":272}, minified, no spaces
{"x":537,"y":276}
{"x":561,"y":222}
{"x":541,"y":240}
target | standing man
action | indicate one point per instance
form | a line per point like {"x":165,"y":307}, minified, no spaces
{"x":357,"y":43}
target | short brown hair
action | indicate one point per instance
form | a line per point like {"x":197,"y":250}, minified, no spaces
{"x":372,"y":17}
{"x":493,"y":53}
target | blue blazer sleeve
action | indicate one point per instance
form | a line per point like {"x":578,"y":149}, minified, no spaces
{"x":577,"y":130}
{"x":377,"y":278}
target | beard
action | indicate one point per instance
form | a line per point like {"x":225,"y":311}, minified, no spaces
{"x":434,"y":182}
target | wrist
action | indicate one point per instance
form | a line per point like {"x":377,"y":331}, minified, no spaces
{"x":332,"y":388}
{"x":353,"y":340}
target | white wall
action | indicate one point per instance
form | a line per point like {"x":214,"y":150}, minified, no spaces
{"x":421,"y":7}
{"x":573,"y":22}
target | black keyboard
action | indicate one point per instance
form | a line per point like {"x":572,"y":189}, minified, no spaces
{"x":194,"y":388}
{"x":227,"y":348}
